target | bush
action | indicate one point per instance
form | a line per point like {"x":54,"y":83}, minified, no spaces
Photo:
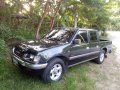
{"x":23,"y":32}
{"x":2,"y":49}
{"x":5,"y":32}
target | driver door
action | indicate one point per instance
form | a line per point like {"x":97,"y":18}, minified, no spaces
{"x":80,"y":50}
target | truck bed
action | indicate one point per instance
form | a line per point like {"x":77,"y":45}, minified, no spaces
{"x":105,"y":41}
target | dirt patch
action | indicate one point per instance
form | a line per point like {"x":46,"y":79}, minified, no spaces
{"x":106,"y":75}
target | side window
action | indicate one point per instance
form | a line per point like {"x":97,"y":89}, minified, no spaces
{"x":82,"y":37}
{"x":93,"y":36}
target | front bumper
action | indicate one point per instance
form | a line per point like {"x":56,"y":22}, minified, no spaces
{"x":18,"y":61}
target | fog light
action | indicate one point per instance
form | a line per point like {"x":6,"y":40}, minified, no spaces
{"x":37,"y":59}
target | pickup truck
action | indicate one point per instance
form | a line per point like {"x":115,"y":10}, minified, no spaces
{"x":60,"y":49}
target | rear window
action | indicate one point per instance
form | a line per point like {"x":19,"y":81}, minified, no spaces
{"x":93,"y":36}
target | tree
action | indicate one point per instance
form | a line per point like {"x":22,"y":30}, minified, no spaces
{"x":72,"y":8}
{"x":55,"y":9}
{"x":115,"y":13}
{"x":67,"y":13}
{"x":46,"y":8}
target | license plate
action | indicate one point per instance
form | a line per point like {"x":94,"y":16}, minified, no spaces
{"x":15,"y":62}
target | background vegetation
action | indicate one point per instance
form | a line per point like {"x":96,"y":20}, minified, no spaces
{"x":21,"y":18}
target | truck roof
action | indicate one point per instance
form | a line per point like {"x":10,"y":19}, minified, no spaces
{"x":74,"y":29}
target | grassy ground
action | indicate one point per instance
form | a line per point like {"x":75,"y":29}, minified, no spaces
{"x":76,"y":78}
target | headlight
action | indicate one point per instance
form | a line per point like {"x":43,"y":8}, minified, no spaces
{"x":36,"y":59}
{"x":32,"y":56}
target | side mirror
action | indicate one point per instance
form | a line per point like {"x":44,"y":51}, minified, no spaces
{"x":77,"y":41}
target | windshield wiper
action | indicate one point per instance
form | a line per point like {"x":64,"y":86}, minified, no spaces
{"x":54,"y":39}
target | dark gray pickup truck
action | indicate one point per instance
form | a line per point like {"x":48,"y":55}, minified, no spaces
{"x":59,"y":50}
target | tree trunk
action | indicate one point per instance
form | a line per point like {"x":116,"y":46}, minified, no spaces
{"x":75,"y":16}
{"x":52,"y":23}
{"x":53,"y":18}
{"x":75,"y":20}
{"x":39,"y":26}
{"x":41,"y":21}
{"x":2,"y":3}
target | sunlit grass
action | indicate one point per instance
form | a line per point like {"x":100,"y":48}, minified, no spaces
{"x":76,"y":78}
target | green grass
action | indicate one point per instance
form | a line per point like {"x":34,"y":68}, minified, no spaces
{"x":76,"y":78}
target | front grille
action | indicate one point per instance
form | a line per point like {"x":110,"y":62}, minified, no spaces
{"x":23,"y":54}
{"x":19,"y":52}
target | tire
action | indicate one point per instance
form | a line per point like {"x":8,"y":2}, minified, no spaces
{"x":101,"y":57}
{"x":54,"y":70}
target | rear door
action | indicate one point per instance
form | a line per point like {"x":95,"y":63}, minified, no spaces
{"x":79,"y":51}
{"x":94,"y":43}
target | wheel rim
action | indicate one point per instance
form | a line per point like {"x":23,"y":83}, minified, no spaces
{"x":102,"y":57}
{"x":56,"y":72}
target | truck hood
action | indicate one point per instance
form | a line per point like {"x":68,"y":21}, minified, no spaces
{"x":37,"y":45}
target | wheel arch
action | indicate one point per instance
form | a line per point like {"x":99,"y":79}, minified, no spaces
{"x":105,"y":49}
{"x":62,"y":57}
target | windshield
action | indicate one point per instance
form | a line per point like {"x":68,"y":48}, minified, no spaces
{"x":60,"y":35}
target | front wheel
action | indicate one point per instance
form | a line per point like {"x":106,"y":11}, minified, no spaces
{"x":54,"y":71}
{"x":101,"y":57}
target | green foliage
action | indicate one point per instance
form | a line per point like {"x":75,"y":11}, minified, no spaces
{"x":92,"y":13}
{"x":5,"y":31}
{"x":24,"y":32}
{"x":2,"y":49}
{"x":115,"y":24}
{"x":21,"y":32}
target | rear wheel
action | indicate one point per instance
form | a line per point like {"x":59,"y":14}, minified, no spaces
{"x":101,"y":57}
{"x":54,"y":71}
